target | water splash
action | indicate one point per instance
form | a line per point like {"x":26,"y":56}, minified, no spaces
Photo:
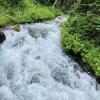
{"x":34,"y":67}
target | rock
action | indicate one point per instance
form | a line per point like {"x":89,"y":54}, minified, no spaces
{"x":15,"y":27}
{"x":60,"y":75}
{"x":2,"y":37}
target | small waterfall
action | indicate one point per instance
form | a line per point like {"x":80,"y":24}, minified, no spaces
{"x":34,"y":67}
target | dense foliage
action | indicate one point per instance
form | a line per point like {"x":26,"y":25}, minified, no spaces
{"x":21,"y":11}
{"x":12,"y":3}
{"x":62,"y":4}
{"x":81,"y":33}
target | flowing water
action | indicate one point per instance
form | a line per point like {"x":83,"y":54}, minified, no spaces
{"x":33,"y":66}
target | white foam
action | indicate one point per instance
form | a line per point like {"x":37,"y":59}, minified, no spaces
{"x":35,"y":68}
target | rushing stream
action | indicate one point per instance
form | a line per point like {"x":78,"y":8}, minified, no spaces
{"x":33,"y":66}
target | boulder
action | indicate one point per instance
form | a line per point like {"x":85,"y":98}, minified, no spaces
{"x":2,"y":37}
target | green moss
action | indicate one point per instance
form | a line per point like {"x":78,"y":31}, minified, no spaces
{"x":81,"y":34}
{"x":29,"y":13}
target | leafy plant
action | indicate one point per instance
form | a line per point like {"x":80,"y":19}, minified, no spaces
{"x":81,"y":33}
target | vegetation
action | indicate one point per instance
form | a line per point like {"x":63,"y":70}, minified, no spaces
{"x":62,"y":4}
{"x":81,"y":33}
{"x":21,"y":11}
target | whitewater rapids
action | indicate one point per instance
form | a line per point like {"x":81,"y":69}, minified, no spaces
{"x":33,"y":66}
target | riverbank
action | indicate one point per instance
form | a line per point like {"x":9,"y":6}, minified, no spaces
{"x":80,"y":34}
{"x":30,"y":13}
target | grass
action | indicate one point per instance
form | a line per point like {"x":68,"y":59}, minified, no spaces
{"x":81,"y":34}
{"x":30,"y":13}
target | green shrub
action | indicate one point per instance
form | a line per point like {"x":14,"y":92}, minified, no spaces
{"x":81,"y":34}
{"x":30,"y":13}
{"x":12,"y":3}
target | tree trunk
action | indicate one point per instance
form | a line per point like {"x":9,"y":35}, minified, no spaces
{"x":54,"y":4}
{"x":65,"y":5}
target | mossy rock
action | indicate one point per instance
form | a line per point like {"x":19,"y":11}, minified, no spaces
{"x":15,"y":27}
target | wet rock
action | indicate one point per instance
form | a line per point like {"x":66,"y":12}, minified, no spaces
{"x":35,"y":79}
{"x":38,"y":57}
{"x":2,"y":37}
{"x":15,"y":27}
{"x":60,"y":75}
{"x":77,"y":67}
{"x":37,"y":31}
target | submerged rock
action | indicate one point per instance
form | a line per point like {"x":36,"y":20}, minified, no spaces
{"x":38,"y":32}
{"x":60,"y":75}
{"x":2,"y":37}
{"x":15,"y":27}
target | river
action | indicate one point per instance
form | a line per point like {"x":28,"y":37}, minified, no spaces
{"x":33,"y":66}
